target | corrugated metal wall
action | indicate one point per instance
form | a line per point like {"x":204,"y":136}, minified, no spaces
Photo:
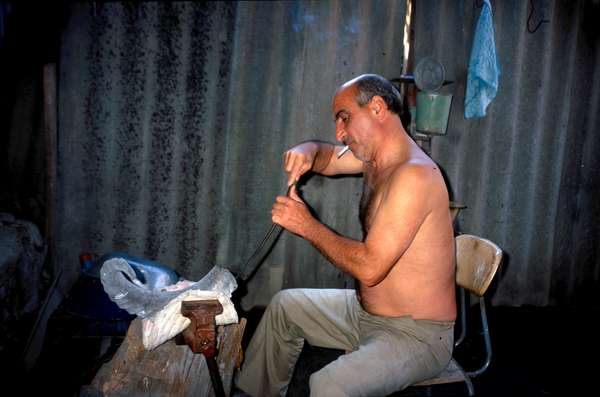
{"x":173,"y":118}
{"x":528,"y":171}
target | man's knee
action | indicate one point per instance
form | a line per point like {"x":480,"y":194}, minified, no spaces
{"x":280,"y":308}
{"x":283,"y":302}
{"x":285,"y":297}
{"x":280,"y":298}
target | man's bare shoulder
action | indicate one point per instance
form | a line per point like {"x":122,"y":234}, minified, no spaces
{"x":422,"y":181}
{"x":417,"y":173}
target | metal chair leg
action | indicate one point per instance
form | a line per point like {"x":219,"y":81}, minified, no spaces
{"x":486,"y":338}
{"x":467,"y":379}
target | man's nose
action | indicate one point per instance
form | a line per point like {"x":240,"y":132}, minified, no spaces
{"x":340,"y":132}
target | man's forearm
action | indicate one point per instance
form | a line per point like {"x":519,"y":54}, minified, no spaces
{"x":323,"y":155}
{"x":348,"y":255}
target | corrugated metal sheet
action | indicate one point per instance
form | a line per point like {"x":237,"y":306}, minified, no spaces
{"x":529,"y":170}
{"x":142,"y":108}
{"x":174,"y":116}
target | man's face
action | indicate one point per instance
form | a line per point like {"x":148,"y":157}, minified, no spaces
{"x":353,"y":123}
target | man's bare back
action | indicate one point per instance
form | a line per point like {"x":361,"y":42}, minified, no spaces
{"x":421,"y":282}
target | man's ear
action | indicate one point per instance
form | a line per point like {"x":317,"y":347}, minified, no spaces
{"x":377,"y":105}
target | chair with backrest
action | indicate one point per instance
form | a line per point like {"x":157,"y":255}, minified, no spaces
{"x":477,"y":261}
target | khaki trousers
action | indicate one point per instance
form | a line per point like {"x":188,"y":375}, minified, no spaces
{"x":387,"y":354}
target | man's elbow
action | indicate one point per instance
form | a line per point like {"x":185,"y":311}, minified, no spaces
{"x":371,"y":278}
{"x":373,"y":270}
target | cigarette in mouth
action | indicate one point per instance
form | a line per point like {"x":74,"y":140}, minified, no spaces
{"x":343,"y":151}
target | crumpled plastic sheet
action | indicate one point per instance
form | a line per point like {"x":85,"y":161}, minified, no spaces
{"x":160,"y":309}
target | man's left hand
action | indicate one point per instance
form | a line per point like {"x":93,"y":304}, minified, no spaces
{"x":292,"y":213}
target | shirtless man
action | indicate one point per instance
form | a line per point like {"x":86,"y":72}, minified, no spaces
{"x":398,"y":324}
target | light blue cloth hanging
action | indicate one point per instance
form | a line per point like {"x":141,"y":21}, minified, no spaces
{"x":484,"y":70}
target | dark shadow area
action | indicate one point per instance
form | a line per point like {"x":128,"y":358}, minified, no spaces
{"x":30,"y":38}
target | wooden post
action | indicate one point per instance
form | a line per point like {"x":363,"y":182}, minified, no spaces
{"x":51,"y":148}
{"x":35,"y":341}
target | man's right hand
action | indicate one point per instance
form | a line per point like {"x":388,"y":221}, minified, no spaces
{"x":319,"y":157}
{"x":299,"y":160}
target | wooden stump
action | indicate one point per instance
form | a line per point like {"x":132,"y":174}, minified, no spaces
{"x":168,"y":370}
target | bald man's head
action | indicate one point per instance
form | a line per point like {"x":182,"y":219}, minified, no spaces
{"x":370,"y":85}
